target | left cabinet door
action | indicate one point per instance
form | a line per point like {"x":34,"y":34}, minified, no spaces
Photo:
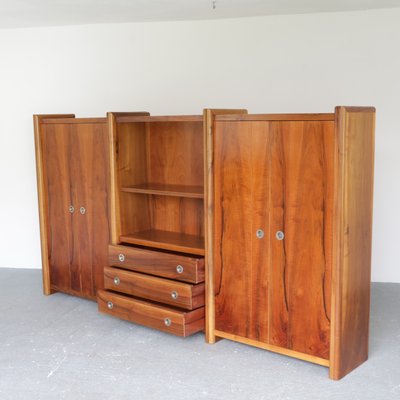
{"x":73,"y":168}
{"x":59,"y":208}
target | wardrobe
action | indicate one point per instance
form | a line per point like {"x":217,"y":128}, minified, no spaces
{"x":250,"y":227}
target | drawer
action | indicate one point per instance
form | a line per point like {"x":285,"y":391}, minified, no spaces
{"x":177,"y":322}
{"x":177,"y":294}
{"x":166,"y":265}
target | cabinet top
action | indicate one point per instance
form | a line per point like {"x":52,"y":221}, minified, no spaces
{"x":275,"y":117}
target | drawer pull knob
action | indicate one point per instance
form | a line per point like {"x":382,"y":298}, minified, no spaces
{"x":110,"y":305}
{"x":121,"y":257}
{"x":259,"y":233}
{"x":167,"y":322}
{"x":179,"y":269}
{"x":280,"y":235}
{"x":174,"y":295}
{"x":116,"y":281}
{"x":71,"y":209}
{"x":82,"y":210}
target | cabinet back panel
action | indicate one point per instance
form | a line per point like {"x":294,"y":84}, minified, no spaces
{"x":177,"y":214}
{"x":131,"y":153}
{"x":55,"y":145}
{"x":175,"y":153}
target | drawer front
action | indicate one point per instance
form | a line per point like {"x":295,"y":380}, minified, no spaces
{"x":180,"y":323}
{"x":177,"y":294}
{"x":181,"y":268}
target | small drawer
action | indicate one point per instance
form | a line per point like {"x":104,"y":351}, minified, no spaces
{"x":177,"y":322}
{"x":177,"y":294}
{"x":166,"y":265}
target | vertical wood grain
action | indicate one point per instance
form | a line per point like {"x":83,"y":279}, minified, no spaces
{"x":208,"y":137}
{"x":42,"y":197}
{"x":302,"y":207}
{"x":355,"y":127}
{"x":56,"y":142}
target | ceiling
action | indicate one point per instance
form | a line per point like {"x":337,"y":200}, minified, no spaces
{"x":28,"y":13}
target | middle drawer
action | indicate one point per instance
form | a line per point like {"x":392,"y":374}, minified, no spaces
{"x":178,"y":294}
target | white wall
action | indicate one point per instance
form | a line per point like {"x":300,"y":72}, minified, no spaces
{"x":305,"y":63}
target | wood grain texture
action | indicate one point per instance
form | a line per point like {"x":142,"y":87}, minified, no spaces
{"x":161,"y":189}
{"x":56,"y":143}
{"x":275,"y":349}
{"x":276,"y":117}
{"x":160,"y":118}
{"x":301,"y":169}
{"x":42,"y":197}
{"x":158,"y":263}
{"x":177,"y":294}
{"x":75,"y":167}
{"x":182,"y":323}
{"x":123,"y":171}
{"x":209,"y":116}
{"x":355,"y":128}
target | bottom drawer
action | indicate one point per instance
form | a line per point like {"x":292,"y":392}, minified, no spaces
{"x":180,"y":323}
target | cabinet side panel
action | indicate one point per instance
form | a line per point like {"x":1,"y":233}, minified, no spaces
{"x":302,"y":208}
{"x":353,"y":235}
{"x":55,"y":141}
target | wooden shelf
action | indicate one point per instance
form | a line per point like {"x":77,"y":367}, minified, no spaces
{"x":173,"y":241}
{"x":196,"y":192}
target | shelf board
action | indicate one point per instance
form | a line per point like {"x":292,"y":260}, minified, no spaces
{"x":196,"y":192}
{"x":173,"y":241}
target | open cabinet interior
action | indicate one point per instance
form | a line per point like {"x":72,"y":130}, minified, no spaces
{"x":160,"y":171}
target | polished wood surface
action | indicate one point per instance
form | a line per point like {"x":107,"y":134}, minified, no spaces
{"x":276,"y":117}
{"x":74,"y":172}
{"x":42,"y":197}
{"x":160,"y":118}
{"x":177,"y":322}
{"x":166,"y":240}
{"x":158,"y":263}
{"x":353,"y":236}
{"x":209,"y":116}
{"x":166,"y":190}
{"x":177,"y":294}
{"x":158,"y":181}
{"x":275,"y":349}
{"x":123,"y":173}
{"x":301,"y":168}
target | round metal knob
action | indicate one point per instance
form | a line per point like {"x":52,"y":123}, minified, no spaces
{"x":71,"y":209}
{"x":167,"y":321}
{"x":82,"y":210}
{"x":174,"y":295}
{"x":121,"y":257}
{"x":179,"y":269}
{"x":260,"y":233}
{"x":280,"y":235}
{"x":110,"y":305}
{"x":116,"y":280}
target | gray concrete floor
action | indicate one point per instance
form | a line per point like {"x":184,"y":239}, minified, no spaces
{"x":60,"y":347}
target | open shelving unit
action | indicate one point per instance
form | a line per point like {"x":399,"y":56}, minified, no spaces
{"x":158,"y":181}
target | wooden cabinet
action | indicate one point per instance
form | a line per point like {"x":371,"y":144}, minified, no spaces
{"x":157,"y":200}
{"x":73,"y":181}
{"x":289,"y":222}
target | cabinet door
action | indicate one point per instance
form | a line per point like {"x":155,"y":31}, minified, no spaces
{"x":302,"y":209}
{"x":89,"y":177}
{"x":241,"y":187}
{"x":57,"y":185}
